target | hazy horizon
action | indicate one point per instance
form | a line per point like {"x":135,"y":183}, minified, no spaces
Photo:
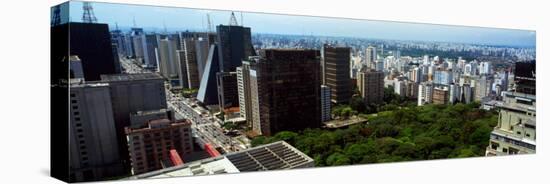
{"x":181,"y":19}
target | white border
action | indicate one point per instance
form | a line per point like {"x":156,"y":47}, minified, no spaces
{"x":25,"y":89}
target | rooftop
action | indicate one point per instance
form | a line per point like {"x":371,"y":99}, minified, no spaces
{"x":156,"y":111}
{"x":157,"y":124}
{"x":274,"y":156}
{"x":80,"y":83}
{"x":130,"y":77}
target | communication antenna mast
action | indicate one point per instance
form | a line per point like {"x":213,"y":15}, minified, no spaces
{"x":56,"y":19}
{"x":88,"y":15}
{"x":242,"y":22}
{"x":164,"y":25}
{"x":233,"y":20}
{"x":134,"y":21}
{"x":209,"y":21}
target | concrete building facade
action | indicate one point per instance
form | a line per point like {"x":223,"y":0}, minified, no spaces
{"x":150,"y":145}
{"x":93,"y":144}
{"x":371,"y":86}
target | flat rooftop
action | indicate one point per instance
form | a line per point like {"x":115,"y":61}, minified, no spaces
{"x":130,"y":77}
{"x":80,"y":83}
{"x":344,"y":123}
{"x":274,"y":156}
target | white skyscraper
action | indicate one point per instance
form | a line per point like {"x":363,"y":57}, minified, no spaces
{"x":485,"y":68}
{"x":425,"y":93}
{"x":370,"y":56}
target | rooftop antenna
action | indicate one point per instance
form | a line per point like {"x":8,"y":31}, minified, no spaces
{"x":88,"y":15}
{"x":56,"y":19}
{"x":233,"y":20}
{"x":116,"y":25}
{"x":164,"y":25}
{"x":134,"y":21}
{"x":209,"y":20}
{"x":242,"y":22}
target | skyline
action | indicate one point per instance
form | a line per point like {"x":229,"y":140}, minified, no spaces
{"x":181,"y":19}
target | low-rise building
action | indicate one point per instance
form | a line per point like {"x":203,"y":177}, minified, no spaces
{"x":274,"y":156}
{"x":151,"y":144}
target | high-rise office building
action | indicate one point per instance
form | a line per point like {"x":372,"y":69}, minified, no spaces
{"x":441,"y":95}
{"x":201,"y":48}
{"x":131,"y":93}
{"x":483,"y":87}
{"x":485,"y":68}
{"x":168,"y":58}
{"x":228,"y":95}
{"x":515,"y":132}
{"x":524,"y":77}
{"x":335,"y":72}
{"x":454,"y":93}
{"x":443,"y":77}
{"x":243,"y":83}
{"x":235,"y":45}
{"x":425,"y":93}
{"x":150,"y":57}
{"x":416,"y":75}
{"x":208,"y":90}
{"x":400,"y":87}
{"x":412,"y":89}
{"x":182,"y":69}
{"x":150,"y":145}
{"x":371,"y":86}
{"x":286,"y":91}
{"x":191,"y":63}
{"x":91,"y":42}
{"x":140,"y":48}
{"x":379,"y":65}
{"x":117,"y":37}
{"x":467,"y":93}
{"x":370,"y":57}
{"x":325,"y":103}
{"x":94,"y":152}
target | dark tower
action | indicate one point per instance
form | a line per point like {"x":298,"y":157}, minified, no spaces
{"x":289,"y":90}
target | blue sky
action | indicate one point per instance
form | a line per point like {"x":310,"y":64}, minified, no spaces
{"x":180,"y":19}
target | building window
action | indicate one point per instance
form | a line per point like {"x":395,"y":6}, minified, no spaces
{"x":528,"y":135}
{"x":518,"y":132}
{"x":73,"y":101}
{"x":494,"y":146}
{"x":77,"y":118}
{"x":504,"y":150}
